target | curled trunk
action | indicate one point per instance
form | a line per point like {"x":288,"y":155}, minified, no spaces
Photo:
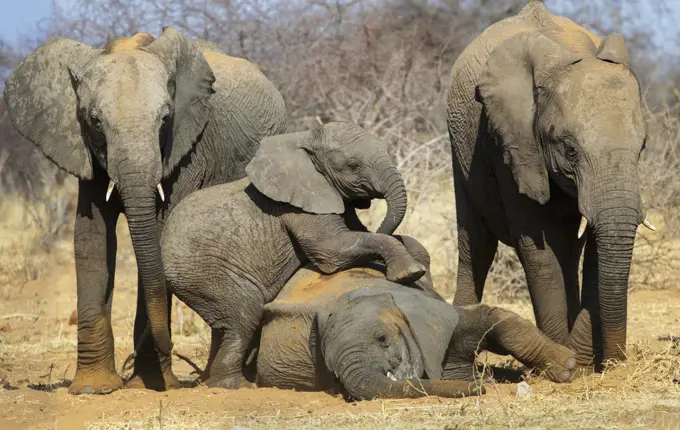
{"x":394,"y":193}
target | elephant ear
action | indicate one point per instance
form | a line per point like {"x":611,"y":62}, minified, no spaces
{"x":613,"y":49}
{"x":507,"y":87}
{"x":283,"y":171}
{"x":191,"y":84}
{"x":42,"y":103}
{"x":432,"y":323}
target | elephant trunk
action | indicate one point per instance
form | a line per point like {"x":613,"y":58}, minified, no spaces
{"x":394,"y":192}
{"x":372,"y":384}
{"x":136,"y":171}
{"x":614,"y":216}
{"x":139,"y":202}
{"x":614,"y":238}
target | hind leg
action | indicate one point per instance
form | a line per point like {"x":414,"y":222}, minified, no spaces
{"x":233,"y":309}
{"x":232,"y":338}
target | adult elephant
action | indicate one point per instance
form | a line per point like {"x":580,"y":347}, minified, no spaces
{"x":357,"y":332}
{"x":546,"y":129}
{"x":154,"y":120}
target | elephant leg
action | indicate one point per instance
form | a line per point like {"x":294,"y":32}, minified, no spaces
{"x":148,"y":372}
{"x":476,"y":249}
{"x":95,"y":257}
{"x":567,"y":249}
{"x":215,"y":342}
{"x":232,"y":336}
{"x":586,"y":336}
{"x":420,"y":254}
{"x":233,"y":309}
{"x":546,"y":286}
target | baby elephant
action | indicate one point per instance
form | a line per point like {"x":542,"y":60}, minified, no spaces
{"x":229,"y":249}
{"x":358,"y":332}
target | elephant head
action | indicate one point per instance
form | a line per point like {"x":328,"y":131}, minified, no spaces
{"x":130,"y":111}
{"x":320,"y":170}
{"x":570,"y":113}
{"x":379,"y":341}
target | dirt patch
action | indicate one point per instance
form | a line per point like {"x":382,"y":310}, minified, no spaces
{"x":38,"y":353}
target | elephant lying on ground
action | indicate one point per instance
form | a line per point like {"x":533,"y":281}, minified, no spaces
{"x":229,"y":249}
{"x":356,"y":331}
{"x":141,"y":123}
{"x":546,"y":129}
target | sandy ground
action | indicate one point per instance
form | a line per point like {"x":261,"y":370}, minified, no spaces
{"x":38,"y":356}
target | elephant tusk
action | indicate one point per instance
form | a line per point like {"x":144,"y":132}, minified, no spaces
{"x":648,"y":224}
{"x":109,"y":190}
{"x":160,"y":192}
{"x":391,"y":376}
{"x":582,"y":227}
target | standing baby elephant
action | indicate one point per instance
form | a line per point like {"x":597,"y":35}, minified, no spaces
{"x":373,"y":338}
{"x":229,"y":249}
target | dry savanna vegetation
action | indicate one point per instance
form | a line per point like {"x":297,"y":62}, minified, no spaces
{"x":383,"y":64}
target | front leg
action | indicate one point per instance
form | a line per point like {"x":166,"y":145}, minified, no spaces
{"x":504,"y":332}
{"x":331,"y":247}
{"x":95,"y":257}
{"x":413,"y":247}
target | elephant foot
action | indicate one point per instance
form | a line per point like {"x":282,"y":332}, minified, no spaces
{"x":95,"y":382}
{"x":230,"y":383}
{"x":153,"y":380}
{"x":405,"y":273}
{"x":560,"y":363}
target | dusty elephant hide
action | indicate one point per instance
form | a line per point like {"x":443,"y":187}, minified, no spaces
{"x":357,"y":332}
{"x":546,"y":128}
{"x":142,"y":123}
{"x":229,"y":249}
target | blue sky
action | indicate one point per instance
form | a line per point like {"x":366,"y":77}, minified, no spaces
{"x":17,"y":16}
{"x":20,"y":16}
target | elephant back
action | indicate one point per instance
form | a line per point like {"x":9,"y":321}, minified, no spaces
{"x":312,"y":288}
{"x":247,"y":107}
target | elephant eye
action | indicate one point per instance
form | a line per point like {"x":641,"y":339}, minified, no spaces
{"x":353,"y":165}
{"x":381,"y":338}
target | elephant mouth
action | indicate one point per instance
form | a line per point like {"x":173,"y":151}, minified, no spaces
{"x":361,"y":203}
{"x":403,"y":372}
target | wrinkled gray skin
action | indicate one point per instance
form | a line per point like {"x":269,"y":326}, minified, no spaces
{"x":140,"y":112}
{"x":229,"y":249}
{"x":357,"y":332}
{"x":546,"y":127}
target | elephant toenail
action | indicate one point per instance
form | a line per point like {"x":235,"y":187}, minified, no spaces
{"x":88,"y":389}
{"x":564,"y":376}
{"x":571,"y":363}
{"x":106,"y":390}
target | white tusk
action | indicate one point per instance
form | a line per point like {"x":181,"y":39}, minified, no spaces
{"x":582,"y":227}
{"x":648,"y":224}
{"x":391,"y":376}
{"x":112,"y":185}
{"x":160,"y":192}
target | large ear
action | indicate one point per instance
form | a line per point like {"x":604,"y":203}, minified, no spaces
{"x":613,"y":49}
{"x":507,"y":87}
{"x":432,"y":323}
{"x":42,"y":103}
{"x":282,"y":170}
{"x":191,"y":80}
